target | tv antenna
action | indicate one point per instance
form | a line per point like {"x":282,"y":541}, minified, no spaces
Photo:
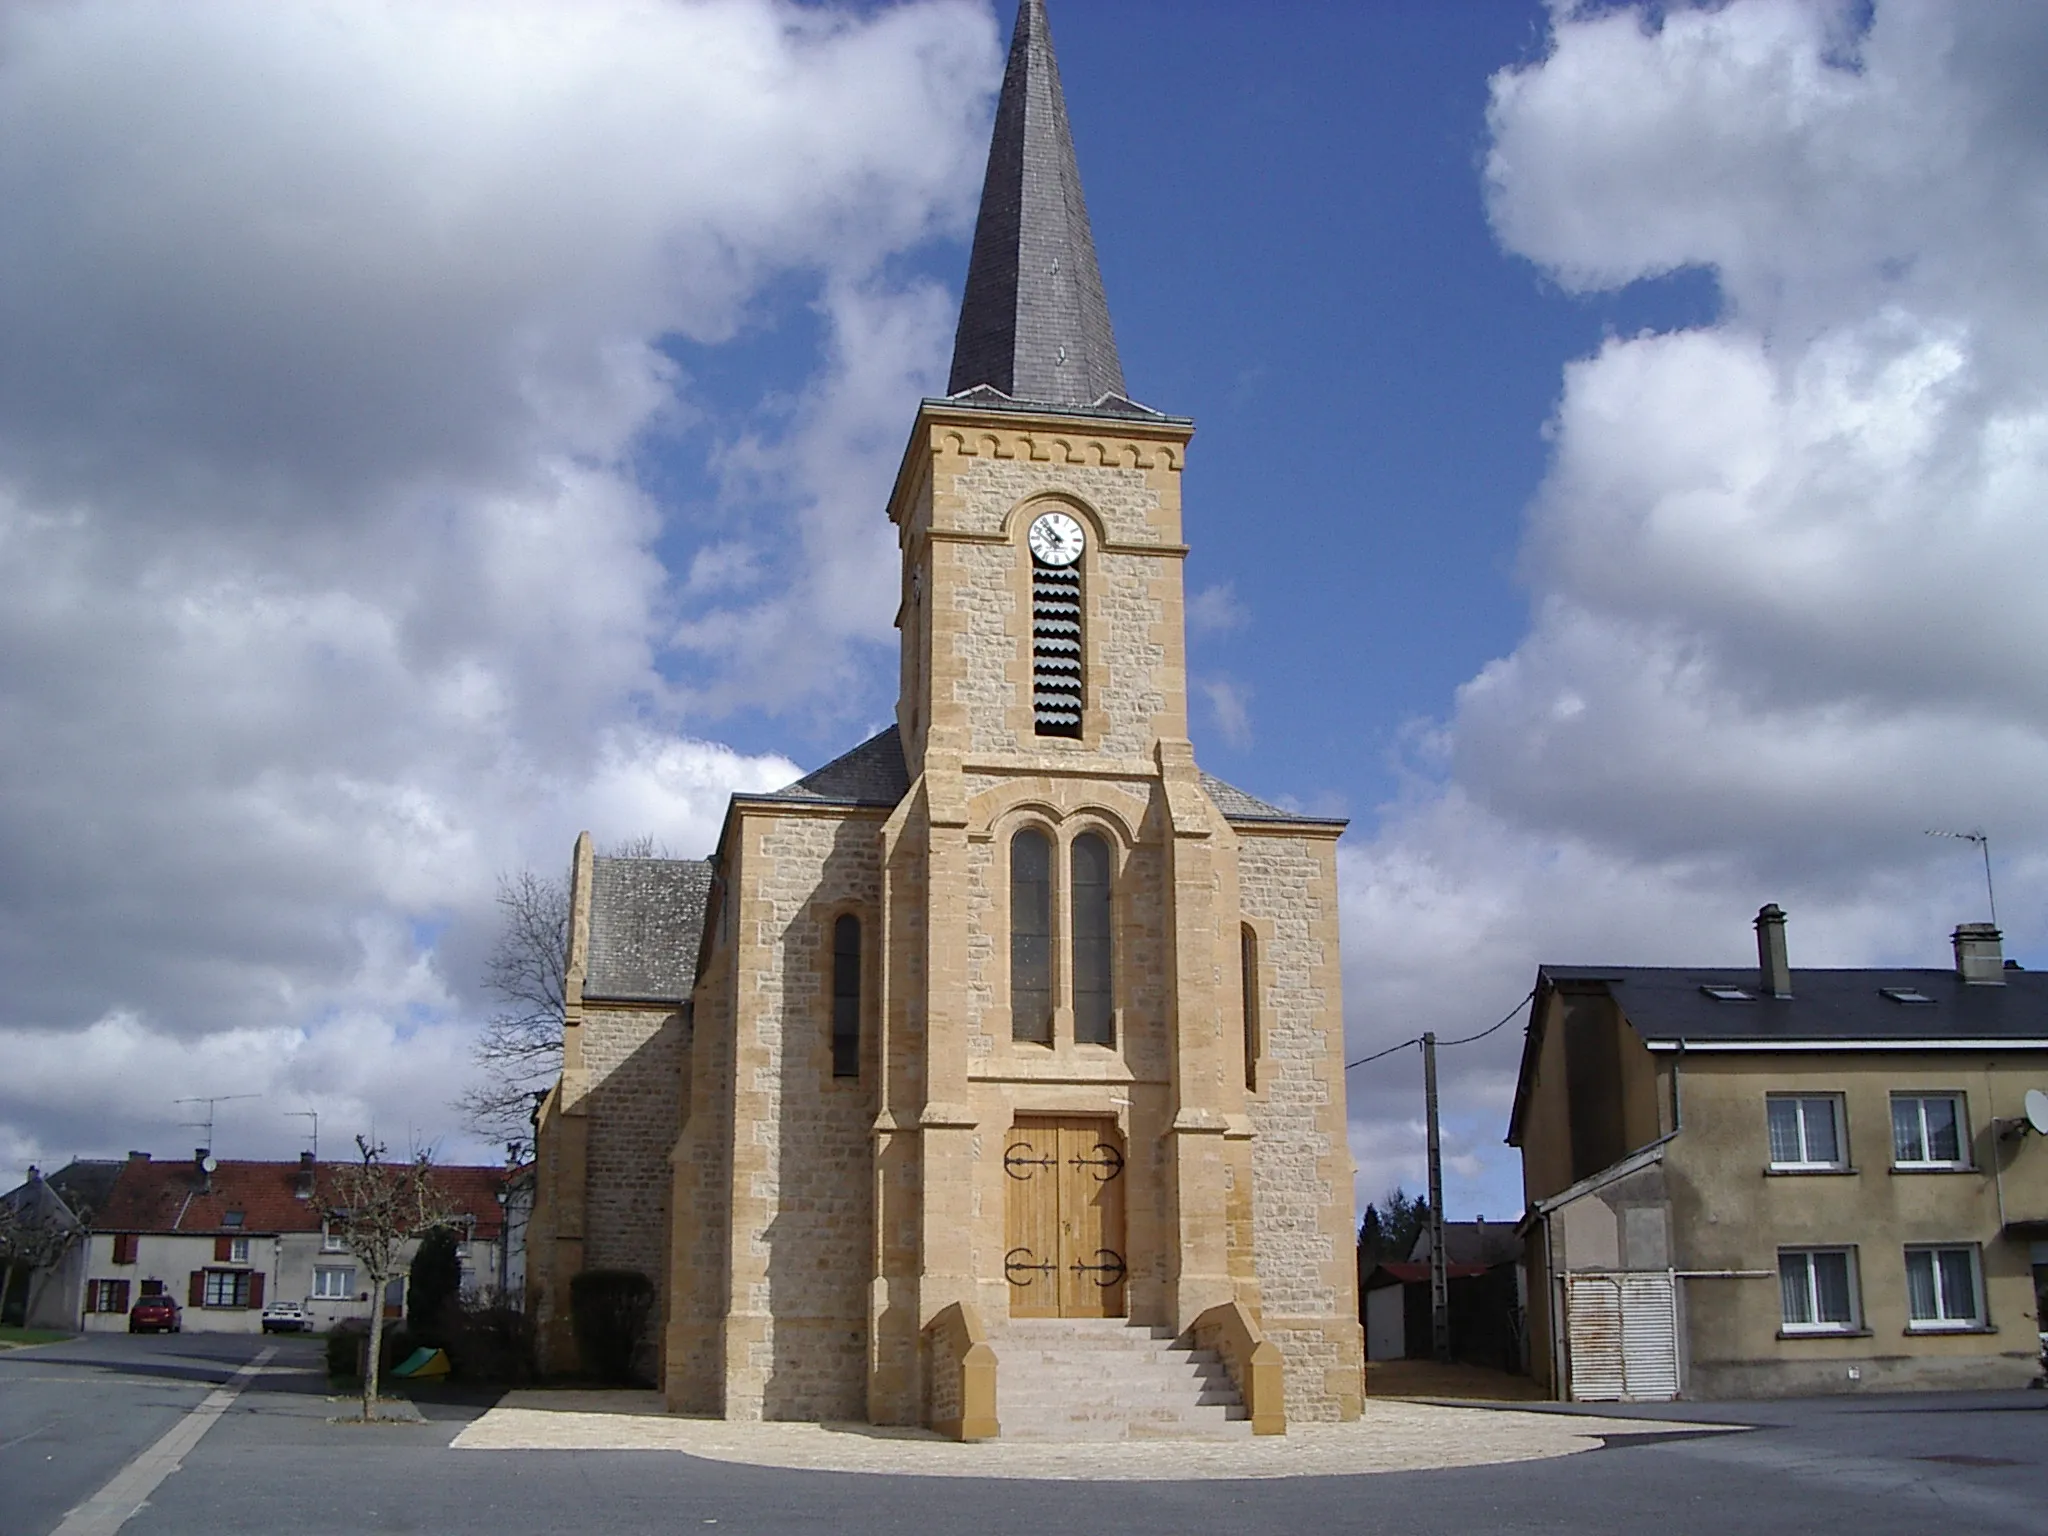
{"x":209,"y":1100}
{"x":314,"y":1116}
{"x":1983,"y":842}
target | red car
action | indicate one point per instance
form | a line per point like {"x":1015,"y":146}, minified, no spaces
{"x":155,"y":1314}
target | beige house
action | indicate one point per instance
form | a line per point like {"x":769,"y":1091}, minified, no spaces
{"x":1749,"y":1184}
{"x":1010,"y":1043}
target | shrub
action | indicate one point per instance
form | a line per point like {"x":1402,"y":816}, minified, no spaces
{"x":345,"y":1343}
{"x":488,"y":1342}
{"x":609,"y":1309}
{"x":433,"y":1282}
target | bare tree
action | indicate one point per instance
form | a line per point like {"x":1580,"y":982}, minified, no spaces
{"x":377,"y":1208}
{"x":520,"y":1049}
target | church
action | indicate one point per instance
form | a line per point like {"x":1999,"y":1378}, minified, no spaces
{"x":1010,"y":1041}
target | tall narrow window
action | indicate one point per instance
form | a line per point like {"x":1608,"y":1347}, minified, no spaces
{"x":1056,"y":692}
{"x":1248,"y":971}
{"x":1031,"y":937}
{"x":846,"y":997}
{"x":1094,"y":1022}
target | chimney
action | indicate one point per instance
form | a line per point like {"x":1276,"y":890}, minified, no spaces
{"x":1774,"y":971}
{"x":1980,"y":955}
{"x":302,"y":1182}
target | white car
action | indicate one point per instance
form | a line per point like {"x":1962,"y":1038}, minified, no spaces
{"x":286,"y":1317}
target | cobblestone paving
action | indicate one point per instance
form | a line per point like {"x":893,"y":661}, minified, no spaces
{"x":1388,"y":1437}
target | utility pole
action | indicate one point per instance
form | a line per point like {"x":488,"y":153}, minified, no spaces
{"x":1439,"y":1275}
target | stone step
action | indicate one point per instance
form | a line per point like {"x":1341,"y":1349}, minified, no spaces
{"x":1093,"y":1379}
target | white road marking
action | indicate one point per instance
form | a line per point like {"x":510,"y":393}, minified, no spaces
{"x":115,"y":1504}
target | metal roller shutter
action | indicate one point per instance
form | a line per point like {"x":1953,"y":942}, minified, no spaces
{"x":1623,"y":1336}
{"x":1649,"y":1338}
{"x":1593,"y":1311}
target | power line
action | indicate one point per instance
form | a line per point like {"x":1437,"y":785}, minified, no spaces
{"x":1466,"y":1040}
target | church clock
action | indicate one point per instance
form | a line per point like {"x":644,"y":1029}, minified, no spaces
{"x":1056,"y":539}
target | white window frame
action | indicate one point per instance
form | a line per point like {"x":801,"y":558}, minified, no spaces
{"x":102,"y":1292}
{"x":332,"y":1241}
{"x":1805,"y":1164}
{"x":347,"y":1291}
{"x":1921,"y":1101}
{"x":238,"y":1250}
{"x":1946,"y":1323}
{"x":1853,"y":1323}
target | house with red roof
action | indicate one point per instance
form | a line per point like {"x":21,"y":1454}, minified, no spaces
{"x":225,"y":1238}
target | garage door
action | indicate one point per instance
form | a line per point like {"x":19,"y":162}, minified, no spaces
{"x":1622,"y":1331}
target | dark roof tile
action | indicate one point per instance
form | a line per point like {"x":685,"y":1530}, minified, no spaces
{"x":1666,"y":1004}
{"x":873,"y":773}
{"x":646,"y":923}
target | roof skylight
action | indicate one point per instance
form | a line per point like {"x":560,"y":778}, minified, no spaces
{"x":1909,"y":995}
{"x":1726,"y":994}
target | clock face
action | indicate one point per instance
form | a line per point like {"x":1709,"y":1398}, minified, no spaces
{"x":1056,"y":539}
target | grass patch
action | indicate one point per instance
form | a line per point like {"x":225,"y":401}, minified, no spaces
{"x":11,"y":1337}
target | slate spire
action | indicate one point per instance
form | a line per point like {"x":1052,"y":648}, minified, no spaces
{"x":1033,"y":320}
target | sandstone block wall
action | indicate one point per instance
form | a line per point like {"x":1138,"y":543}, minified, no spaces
{"x":1301,"y":1161}
{"x":634,"y":1058}
{"x":802,"y":1195}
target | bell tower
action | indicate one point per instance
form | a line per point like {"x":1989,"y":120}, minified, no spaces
{"x":1038,"y":506}
{"x":1064,"y":916}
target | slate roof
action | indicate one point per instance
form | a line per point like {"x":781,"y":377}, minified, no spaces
{"x":1477,"y":1243}
{"x":1236,"y":805}
{"x":86,"y":1184}
{"x":873,"y":773}
{"x":1034,"y":322}
{"x":646,"y":924}
{"x":1665,"y":1005}
{"x":149,"y":1196}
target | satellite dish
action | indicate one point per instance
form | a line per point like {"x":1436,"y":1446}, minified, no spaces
{"x":210,"y":1162}
{"x":2037,"y":1110}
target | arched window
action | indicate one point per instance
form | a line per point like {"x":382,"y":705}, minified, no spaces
{"x":1031,"y":937}
{"x":1094,"y":1023}
{"x":846,"y":997}
{"x":1248,"y":971}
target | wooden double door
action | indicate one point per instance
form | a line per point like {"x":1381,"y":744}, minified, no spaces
{"x":1065,"y":1218}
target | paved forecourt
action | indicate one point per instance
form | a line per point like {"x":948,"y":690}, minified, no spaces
{"x":1388,"y":1437}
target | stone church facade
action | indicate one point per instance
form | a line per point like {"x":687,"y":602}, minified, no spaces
{"x":1012,"y":1011}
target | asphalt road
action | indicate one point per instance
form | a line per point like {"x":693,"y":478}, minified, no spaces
{"x":71,"y":1415}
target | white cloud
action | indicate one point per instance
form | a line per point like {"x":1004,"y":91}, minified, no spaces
{"x":1785,"y":565}
{"x":1216,"y":610}
{"x":335,"y":338}
{"x":1230,"y":707}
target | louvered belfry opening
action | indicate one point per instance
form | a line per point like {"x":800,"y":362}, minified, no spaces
{"x":1056,"y":683}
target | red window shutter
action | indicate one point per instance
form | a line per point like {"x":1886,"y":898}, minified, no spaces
{"x":92,"y":1295}
{"x":196,"y":1296}
{"x":223,"y":1249}
{"x":124,"y":1247}
{"x":120,"y":1295}
{"x":256,"y":1289}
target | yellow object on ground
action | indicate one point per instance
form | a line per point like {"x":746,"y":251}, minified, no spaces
{"x":423,"y":1364}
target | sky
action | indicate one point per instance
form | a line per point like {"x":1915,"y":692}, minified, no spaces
{"x":429,"y":431}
